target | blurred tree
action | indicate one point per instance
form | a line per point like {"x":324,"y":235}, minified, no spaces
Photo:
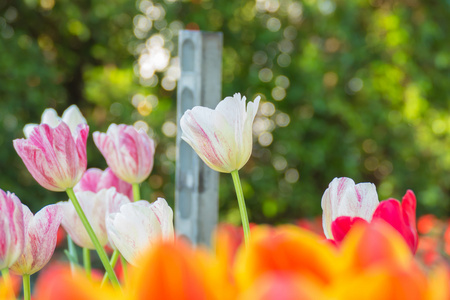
{"x":350,"y":88}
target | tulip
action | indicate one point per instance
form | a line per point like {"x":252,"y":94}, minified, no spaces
{"x":40,"y":239}
{"x":128,"y":152}
{"x":343,"y":198}
{"x":96,"y":206}
{"x":12,"y":234}
{"x":71,"y":116}
{"x":401,"y":216}
{"x":94,"y":180}
{"x":221,"y":137}
{"x":138,"y":226}
{"x":54,"y":157}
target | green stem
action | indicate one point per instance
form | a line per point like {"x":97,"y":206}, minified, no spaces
{"x":87,"y":262}
{"x":73,"y":259}
{"x":242,"y":209}
{"x":5,"y":274}
{"x":100,"y":251}
{"x":136,"y":192}
{"x":26,"y":287}
{"x":112,"y":262}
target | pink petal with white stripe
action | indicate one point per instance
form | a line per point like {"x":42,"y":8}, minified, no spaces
{"x":40,"y":239}
{"x":55,"y":158}
{"x":128,"y":152}
{"x":95,"y":180}
{"x":12,"y":232}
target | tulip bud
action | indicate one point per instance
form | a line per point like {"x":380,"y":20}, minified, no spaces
{"x":40,"y":239}
{"x":11,"y":229}
{"x":221,"y":137}
{"x":345,"y":199}
{"x":128,"y":152}
{"x":138,"y":226}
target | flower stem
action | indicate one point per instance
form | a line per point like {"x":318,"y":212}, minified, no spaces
{"x":87,"y":262}
{"x":73,"y":259}
{"x":112,"y":262}
{"x":242,"y":209}
{"x":101,"y":252}
{"x":26,"y":287}
{"x":136,"y":192}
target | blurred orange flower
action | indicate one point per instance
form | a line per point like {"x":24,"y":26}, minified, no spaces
{"x":284,"y":263}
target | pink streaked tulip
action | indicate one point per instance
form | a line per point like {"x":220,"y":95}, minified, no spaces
{"x":401,"y":216}
{"x":12,"y":234}
{"x":40,"y":239}
{"x":222,"y":137}
{"x":128,"y":152}
{"x":96,"y":206}
{"x":138,"y":226}
{"x":344,"y":198}
{"x":94,"y":180}
{"x":71,"y":116}
{"x":54,"y":157}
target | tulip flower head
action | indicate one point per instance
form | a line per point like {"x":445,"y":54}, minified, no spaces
{"x":96,"y":206}
{"x":12,"y":234}
{"x":40,"y":239}
{"x":55,"y":156}
{"x":94,"y":180}
{"x":128,"y":152}
{"x":222,"y":137}
{"x":71,"y":116}
{"x":401,"y":216}
{"x":349,"y":202}
{"x":138,"y":226}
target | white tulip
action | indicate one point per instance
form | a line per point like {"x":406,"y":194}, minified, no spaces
{"x":222,"y":137}
{"x":138,"y":226}
{"x":343,"y":198}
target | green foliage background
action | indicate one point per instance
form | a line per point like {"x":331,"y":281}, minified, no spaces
{"x":356,"y":88}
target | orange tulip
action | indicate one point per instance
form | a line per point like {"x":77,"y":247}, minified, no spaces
{"x":286,"y":250}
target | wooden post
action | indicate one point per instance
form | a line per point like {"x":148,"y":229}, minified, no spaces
{"x":197,"y":186}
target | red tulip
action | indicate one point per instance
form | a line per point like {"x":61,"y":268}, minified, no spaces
{"x":401,"y":216}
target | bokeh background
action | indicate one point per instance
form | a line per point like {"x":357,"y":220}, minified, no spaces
{"x":356,"y":88}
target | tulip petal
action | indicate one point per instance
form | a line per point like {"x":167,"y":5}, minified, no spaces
{"x":134,"y":229}
{"x":341,"y":226}
{"x":72,"y":116}
{"x":345,"y":198}
{"x":128,"y":152}
{"x":401,"y":217}
{"x":40,"y":239}
{"x":12,"y":235}
{"x":164,"y":214}
{"x":96,"y":207}
{"x":221,"y":137}
{"x":52,"y":157}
